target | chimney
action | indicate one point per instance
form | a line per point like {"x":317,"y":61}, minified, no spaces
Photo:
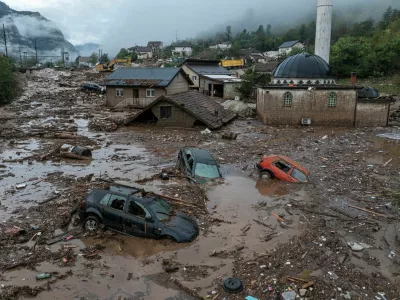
{"x":324,"y":29}
{"x":353,"y":78}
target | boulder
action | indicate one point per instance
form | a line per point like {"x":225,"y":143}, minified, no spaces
{"x":241,"y":108}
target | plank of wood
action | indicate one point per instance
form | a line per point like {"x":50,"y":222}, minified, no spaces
{"x":367,"y":211}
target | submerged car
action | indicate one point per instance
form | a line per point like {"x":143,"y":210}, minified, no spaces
{"x":198,"y":164}
{"x":121,"y":209}
{"x":94,"y":87}
{"x":282,"y":168}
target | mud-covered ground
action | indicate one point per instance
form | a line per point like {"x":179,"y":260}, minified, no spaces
{"x":240,"y":236}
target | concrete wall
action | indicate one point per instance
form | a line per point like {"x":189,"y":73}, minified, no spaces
{"x":372,"y":114}
{"x":128,"y":100}
{"x":306,"y":104}
{"x":191,"y":73}
{"x":179,"y":84}
{"x":179,"y":118}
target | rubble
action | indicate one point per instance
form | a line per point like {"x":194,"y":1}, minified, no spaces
{"x":278,"y":238}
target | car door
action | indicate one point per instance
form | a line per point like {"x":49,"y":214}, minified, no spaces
{"x":113,"y":213}
{"x":135,"y":222}
{"x":282,"y":170}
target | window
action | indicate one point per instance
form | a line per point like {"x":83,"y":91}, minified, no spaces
{"x":165,"y":112}
{"x":207,"y":171}
{"x":300,"y":176}
{"x":150,"y":93}
{"x":283,"y":166}
{"x":332,"y":99}
{"x":287,"y":99}
{"x":104,"y":200}
{"x":120,"y":92}
{"x":117,"y":202}
{"x":138,"y":210}
{"x":161,"y":209}
{"x":194,"y":78}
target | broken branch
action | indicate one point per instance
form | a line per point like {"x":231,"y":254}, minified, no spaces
{"x":367,"y":211}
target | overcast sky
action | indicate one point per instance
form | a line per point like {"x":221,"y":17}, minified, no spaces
{"x":124,"y":23}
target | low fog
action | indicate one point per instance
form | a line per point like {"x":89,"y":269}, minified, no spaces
{"x":125,"y":23}
{"x":31,"y":27}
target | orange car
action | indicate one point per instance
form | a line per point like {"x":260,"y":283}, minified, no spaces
{"x":282,"y":168}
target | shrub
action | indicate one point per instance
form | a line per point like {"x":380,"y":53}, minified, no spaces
{"x":8,"y":81}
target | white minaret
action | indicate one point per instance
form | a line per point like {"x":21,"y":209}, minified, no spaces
{"x":324,"y":29}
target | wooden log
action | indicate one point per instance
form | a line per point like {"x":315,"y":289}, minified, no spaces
{"x":65,"y":136}
{"x":367,"y":211}
{"x":54,"y":150}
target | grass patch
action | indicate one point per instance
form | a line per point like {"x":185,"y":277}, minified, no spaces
{"x":389,"y":85}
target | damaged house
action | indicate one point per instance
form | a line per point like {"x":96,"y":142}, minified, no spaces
{"x":139,"y":87}
{"x":211,"y":79}
{"x":188,"y":109}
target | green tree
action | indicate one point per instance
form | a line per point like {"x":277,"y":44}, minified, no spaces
{"x":386,"y":18}
{"x":350,"y":54}
{"x":104,"y":58}
{"x":124,"y":53}
{"x":268,"y":30}
{"x":8,"y":81}
{"x":94,"y":58}
{"x":228,"y":32}
{"x":252,"y":79}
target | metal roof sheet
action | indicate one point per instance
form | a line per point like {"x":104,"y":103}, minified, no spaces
{"x":289,"y":44}
{"x":208,"y":69}
{"x":142,"y":76}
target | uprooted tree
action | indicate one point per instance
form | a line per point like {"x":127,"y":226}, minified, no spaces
{"x":251,"y":79}
{"x":8,"y":80}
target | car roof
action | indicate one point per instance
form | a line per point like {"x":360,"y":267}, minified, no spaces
{"x":119,"y":190}
{"x":292,"y":162}
{"x":201,"y":155}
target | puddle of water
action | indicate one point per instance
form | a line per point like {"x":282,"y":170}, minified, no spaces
{"x":21,"y":149}
{"x":385,"y":150}
{"x":268,"y":187}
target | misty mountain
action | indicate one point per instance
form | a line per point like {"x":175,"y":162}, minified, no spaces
{"x":87,"y":49}
{"x":24,"y":29}
{"x":292,"y":13}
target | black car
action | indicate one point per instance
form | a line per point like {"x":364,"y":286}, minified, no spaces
{"x":198,"y":164}
{"x":94,"y":87}
{"x":122,"y":210}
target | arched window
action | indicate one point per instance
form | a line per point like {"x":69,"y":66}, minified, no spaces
{"x":332,"y":97}
{"x":309,"y":82}
{"x":284,"y":82}
{"x":287,"y":99}
{"x":291,"y":82}
{"x":301,"y":82}
{"x":279,"y":82}
{"x":317,"y":82}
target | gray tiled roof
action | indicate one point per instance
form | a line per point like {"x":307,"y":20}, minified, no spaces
{"x":288,"y":44}
{"x":141,"y":77}
{"x":208,"y":69}
{"x":200,"y":106}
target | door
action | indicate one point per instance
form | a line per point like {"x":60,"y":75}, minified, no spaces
{"x":113,"y":213}
{"x":283,"y":171}
{"x":135,"y":222}
{"x":135,"y":93}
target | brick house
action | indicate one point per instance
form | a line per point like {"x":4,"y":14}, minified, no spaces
{"x":139,"y":87}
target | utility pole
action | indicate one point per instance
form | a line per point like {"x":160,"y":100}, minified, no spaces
{"x":36,"y":53}
{"x":5,"y":39}
{"x":99,"y":55}
{"x":20,"y":56}
{"x":176,"y":36}
{"x":62,"y":54}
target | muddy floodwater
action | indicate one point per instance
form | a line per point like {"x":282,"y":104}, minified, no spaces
{"x":337,"y":237}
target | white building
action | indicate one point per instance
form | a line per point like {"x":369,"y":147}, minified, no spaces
{"x":84,"y":61}
{"x":222,"y":46}
{"x":183,"y":48}
{"x":287,"y":47}
{"x":144,"y":52}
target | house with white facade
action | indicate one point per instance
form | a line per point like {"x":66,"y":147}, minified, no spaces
{"x":287,"y":47}
{"x":222,"y":46}
{"x":183,"y":49}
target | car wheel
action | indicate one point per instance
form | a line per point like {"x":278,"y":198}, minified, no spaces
{"x":265,"y":174}
{"x":92,"y":223}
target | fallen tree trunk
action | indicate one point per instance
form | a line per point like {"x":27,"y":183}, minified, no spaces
{"x":65,"y":136}
{"x":51,"y":152}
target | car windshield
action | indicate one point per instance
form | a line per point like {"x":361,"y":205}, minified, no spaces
{"x":161,"y":209}
{"x":300,"y":176}
{"x":206,"y":171}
